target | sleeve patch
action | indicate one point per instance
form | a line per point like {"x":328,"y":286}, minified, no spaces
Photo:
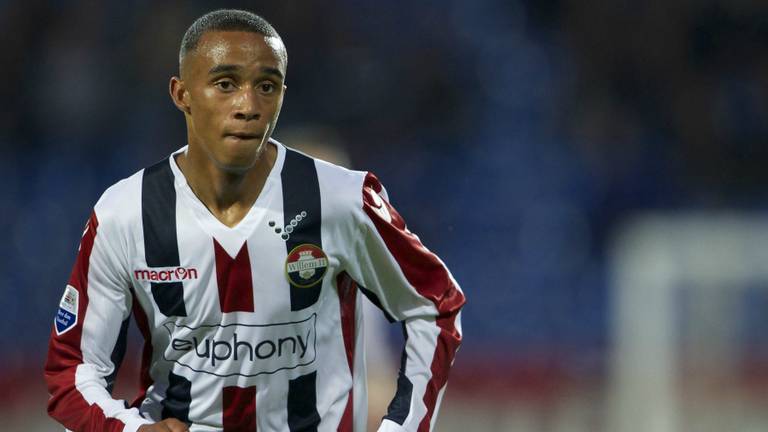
{"x":66,"y":315}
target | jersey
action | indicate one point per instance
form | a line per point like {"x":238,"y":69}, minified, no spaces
{"x":256,"y":326}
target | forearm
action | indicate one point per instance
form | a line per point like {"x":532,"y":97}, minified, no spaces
{"x":430,"y":348}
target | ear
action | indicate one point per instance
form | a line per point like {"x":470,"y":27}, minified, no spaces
{"x":179,"y":94}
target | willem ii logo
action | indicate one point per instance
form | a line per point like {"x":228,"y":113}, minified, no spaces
{"x":172,"y":274}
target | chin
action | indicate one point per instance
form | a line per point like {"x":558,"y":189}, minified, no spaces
{"x":234,"y":157}
{"x":236,"y":165}
{"x":238,"y":162}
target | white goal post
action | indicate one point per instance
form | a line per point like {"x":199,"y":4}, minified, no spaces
{"x":653,"y":258}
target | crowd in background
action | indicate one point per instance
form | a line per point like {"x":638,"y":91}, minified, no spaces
{"x":515,"y":137}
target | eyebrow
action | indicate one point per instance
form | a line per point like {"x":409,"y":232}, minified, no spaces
{"x":233,"y":68}
{"x":272,"y":71}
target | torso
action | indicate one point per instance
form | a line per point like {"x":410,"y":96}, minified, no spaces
{"x":251,"y":312}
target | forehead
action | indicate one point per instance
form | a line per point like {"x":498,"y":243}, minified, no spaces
{"x":238,"y":47}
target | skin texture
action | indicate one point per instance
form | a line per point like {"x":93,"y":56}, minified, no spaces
{"x":167,"y":425}
{"x":230,"y":90}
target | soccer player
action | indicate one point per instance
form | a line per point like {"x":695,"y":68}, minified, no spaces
{"x":242,"y":262}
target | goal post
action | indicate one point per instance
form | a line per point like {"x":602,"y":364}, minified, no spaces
{"x":676,"y":280}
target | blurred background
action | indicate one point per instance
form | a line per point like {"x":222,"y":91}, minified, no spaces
{"x":593,"y":173}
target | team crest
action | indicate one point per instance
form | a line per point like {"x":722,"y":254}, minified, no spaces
{"x":306,"y":265}
{"x":66,"y":315}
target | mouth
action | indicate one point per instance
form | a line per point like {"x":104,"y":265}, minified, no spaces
{"x":242,"y":136}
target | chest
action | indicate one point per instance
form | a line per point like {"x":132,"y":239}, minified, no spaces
{"x":273,"y":272}
{"x":188,"y":268}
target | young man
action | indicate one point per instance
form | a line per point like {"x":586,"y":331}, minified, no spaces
{"x":242,"y":262}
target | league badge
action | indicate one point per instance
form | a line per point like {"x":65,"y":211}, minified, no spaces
{"x":66,"y":316}
{"x":306,"y":265}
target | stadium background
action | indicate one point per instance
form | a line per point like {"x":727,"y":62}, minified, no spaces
{"x":517,"y":138}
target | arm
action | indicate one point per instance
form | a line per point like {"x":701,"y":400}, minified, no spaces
{"x":88,"y":335}
{"x":411,"y":285}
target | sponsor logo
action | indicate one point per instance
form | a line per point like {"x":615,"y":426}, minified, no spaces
{"x":285,"y":232}
{"x":378,"y":205}
{"x":305,"y":265}
{"x":66,"y":315}
{"x":243,"y":349}
{"x":173,"y":274}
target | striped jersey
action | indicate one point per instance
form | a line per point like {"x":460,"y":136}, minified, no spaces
{"x":256,"y":326}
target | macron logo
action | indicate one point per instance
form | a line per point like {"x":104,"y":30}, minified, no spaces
{"x":173,"y":274}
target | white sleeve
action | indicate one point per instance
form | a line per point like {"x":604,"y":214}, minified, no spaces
{"x":410,"y":285}
{"x":88,"y":329}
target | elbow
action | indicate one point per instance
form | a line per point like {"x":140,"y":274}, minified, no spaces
{"x":451,"y":303}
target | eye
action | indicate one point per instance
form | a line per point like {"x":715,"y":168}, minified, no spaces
{"x":267,"y":87}
{"x":225,"y":85}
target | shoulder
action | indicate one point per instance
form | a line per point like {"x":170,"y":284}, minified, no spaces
{"x":120,"y":205}
{"x":339,"y":182}
{"x":340,"y":188}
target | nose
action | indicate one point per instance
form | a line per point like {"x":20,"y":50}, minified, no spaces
{"x":246,"y":106}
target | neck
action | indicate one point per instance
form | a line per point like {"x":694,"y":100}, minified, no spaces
{"x":229,"y":195}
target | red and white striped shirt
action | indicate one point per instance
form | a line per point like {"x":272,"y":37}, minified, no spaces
{"x":252,"y":327}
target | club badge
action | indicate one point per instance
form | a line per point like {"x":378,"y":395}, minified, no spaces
{"x":66,"y":315}
{"x":306,"y":265}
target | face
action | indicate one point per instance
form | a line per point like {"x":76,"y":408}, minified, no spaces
{"x":231,"y":90}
